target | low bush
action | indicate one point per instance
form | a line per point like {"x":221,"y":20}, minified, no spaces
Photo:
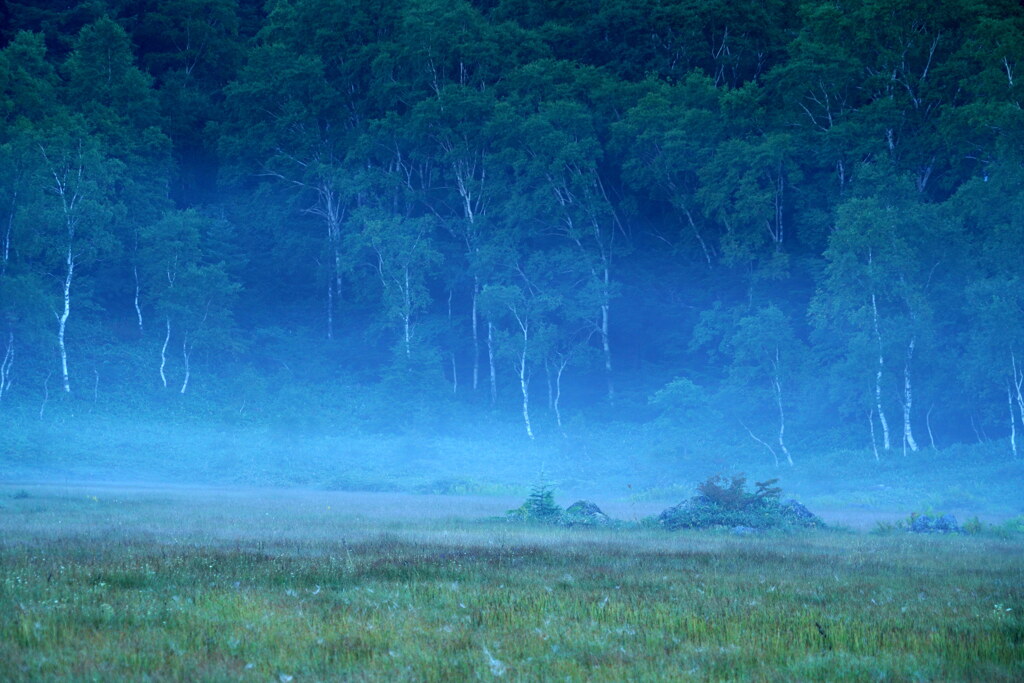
{"x":725,"y":502}
{"x":540,"y":507}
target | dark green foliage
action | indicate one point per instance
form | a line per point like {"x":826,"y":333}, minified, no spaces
{"x":767,"y":489}
{"x":726,"y":492}
{"x":408,"y":188}
{"x":723,"y":501}
{"x":539,"y":506}
{"x":730,"y":492}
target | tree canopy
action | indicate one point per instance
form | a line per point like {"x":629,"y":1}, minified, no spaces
{"x":798,"y":221}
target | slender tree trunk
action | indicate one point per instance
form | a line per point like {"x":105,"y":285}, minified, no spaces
{"x":331,"y":208}
{"x":524,"y":386}
{"x":871,"y":428}
{"x":605,"y":337}
{"x":469,"y":204}
{"x":337,"y":268}
{"x":7,"y":236}
{"x":908,"y":399}
{"x":1013,"y":423}
{"x":138,"y":309}
{"x":474,"y":320}
{"x":776,"y":381}
{"x":163,"y":353}
{"x":558,"y":394}
{"x":407,"y":314}
{"x":878,"y":377}
{"x":490,"y":361}
{"x":330,"y":309}
{"x":5,"y":367}
{"x":46,"y":394}
{"x":700,"y":238}
{"x":928,"y":424}
{"x":524,"y":379}
{"x":455,"y":376}
{"x":63,"y":319}
{"x":1018,"y":382}
{"x":775,"y":456}
{"x":186,"y":353}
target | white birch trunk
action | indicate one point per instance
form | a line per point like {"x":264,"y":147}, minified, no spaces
{"x":878,"y":378}
{"x":63,"y":319}
{"x":928,"y":424}
{"x":524,"y":380}
{"x":490,"y":361}
{"x":1013,"y":423}
{"x":138,"y":309}
{"x":186,"y":353}
{"x":558,"y":394}
{"x":764,"y":443}
{"x":46,"y":394}
{"x":455,"y":376}
{"x":1018,"y":382}
{"x":524,"y":386}
{"x":330,"y":309}
{"x":605,"y":340}
{"x":407,"y":314}
{"x":331,"y":208}
{"x":163,"y":354}
{"x":908,"y":399}
{"x":777,"y":383}
{"x":7,"y":235}
{"x":474,"y":319}
{"x":5,"y":367}
{"x":871,"y":429}
{"x":470,"y":204}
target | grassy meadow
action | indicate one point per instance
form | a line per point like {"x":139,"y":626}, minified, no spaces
{"x":107,"y":583}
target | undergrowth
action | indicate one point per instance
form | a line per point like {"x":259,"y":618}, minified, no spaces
{"x":420,"y":600}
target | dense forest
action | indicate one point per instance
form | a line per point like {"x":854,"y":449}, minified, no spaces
{"x":793,"y":225}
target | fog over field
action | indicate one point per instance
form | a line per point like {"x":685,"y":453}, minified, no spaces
{"x":467,"y":339}
{"x":474,"y":248}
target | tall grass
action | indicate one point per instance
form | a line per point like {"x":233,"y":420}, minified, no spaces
{"x":98,"y":586}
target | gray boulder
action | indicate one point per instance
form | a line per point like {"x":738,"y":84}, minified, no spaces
{"x":584,"y":513}
{"x":800,"y":514}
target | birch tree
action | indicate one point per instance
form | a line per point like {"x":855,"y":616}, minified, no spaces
{"x":189,"y":289}
{"x":563,"y":176}
{"x":77,"y":209}
{"x":403,"y":255}
{"x":460,"y":123}
{"x":666,"y":139}
{"x":885,"y":259}
{"x":292,"y":126}
{"x":520,"y":312}
{"x":765,"y":355}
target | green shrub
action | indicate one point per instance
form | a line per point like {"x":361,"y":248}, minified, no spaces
{"x":973,"y":526}
{"x":725,"y":502}
{"x":540,"y":506}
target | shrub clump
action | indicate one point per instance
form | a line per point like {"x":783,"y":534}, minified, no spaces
{"x":540,"y":507}
{"x":724,"y":501}
{"x":934,"y":524}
